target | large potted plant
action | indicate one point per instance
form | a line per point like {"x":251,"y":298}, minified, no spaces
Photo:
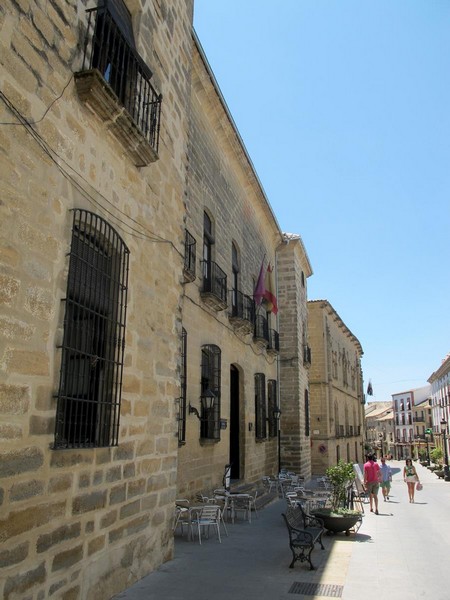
{"x":339,"y":517}
{"x":436,"y":456}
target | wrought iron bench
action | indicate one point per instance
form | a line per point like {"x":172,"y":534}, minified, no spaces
{"x":304,"y":532}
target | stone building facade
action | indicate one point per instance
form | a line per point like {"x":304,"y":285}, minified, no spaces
{"x":134,"y":363}
{"x":440,"y":395}
{"x":231,"y":352}
{"x":93,"y":170}
{"x":380,"y":429}
{"x":295,"y":356}
{"x":409,"y":422}
{"x":336,"y":390}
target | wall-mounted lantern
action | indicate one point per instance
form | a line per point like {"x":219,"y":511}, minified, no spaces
{"x":207,"y":400}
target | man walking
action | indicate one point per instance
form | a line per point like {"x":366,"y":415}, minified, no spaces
{"x":386,"y":478}
{"x":372,"y":478}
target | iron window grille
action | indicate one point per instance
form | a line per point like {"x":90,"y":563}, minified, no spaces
{"x":271,"y":406}
{"x":261,"y":328}
{"x":260,"y":406}
{"x":210,"y":381}
{"x":307,"y":418}
{"x":89,"y":396}
{"x":208,"y":239}
{"x":235,"y":274}
{"x":274,"y":340}
{"x":190,"y":251}
{"x":109,"y":47}
{"x":183,"y":386}
{"x":306,"y":355}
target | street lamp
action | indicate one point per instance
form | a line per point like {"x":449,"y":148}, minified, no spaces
{"x":444,"y":432}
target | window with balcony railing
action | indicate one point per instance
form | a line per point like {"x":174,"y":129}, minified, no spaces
{"x":242,"y":306}
{"x":274,"y":341}
{"x":214,"y":284}
{"x":261,"y":329}
{"x":114,"y":77}
{"x":190,"y":246}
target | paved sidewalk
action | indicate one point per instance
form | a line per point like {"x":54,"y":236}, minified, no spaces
{"x":401,"y":553}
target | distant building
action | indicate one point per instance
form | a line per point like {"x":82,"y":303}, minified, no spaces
{"x":336,"y":392}
{"x":440,"y":401}
{"x":380,"y":431}
{"x":423,"y":425}
{"x":403,"y":404}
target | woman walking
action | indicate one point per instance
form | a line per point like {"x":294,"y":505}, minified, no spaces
{"x":411,"y":478}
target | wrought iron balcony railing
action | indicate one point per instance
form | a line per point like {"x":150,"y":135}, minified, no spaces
{"x":214,"y":288}
{"x":242,"y":310}
{"x":110,"y":57}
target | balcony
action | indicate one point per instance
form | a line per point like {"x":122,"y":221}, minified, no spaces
{"x":242,"y":313}
{"x":261,"y":332}
{"x":273,"y":345}
{"x":214,"y":289}
{"x":114,"y":82}
{"x":190,"y":246}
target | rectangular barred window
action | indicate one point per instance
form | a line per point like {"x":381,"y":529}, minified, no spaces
{"x":307,"y":430}
{"x":89,"y":396}
{"x":271,"y":407}
{"x":183,"y":396}
{"x":210,"y":388}
{"x":260,"y":406}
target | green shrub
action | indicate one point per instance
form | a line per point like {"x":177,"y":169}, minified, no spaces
{"x":340,"y":476}
{"x":436,"y":455}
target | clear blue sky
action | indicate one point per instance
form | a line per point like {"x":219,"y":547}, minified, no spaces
{"x":344,"y":108}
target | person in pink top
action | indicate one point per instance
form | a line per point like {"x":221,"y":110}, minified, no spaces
{"x":372,"y":477}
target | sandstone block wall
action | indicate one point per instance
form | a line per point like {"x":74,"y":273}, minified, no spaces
{"x":222,"y":182}
{"x":335,"y":378}
{"x":86,"y":523}
{"x":293,"y":270}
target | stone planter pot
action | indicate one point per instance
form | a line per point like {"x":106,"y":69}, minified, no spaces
{"x":337,"y":523}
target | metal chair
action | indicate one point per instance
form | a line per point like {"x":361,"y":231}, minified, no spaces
{"x":241,"y":503}
{"x":209,"y":516}
{"x":269,"y":483}
{"x":203,"y":499}
{"x":221,"y":499}
{"x":253,"y":503}
{"x":182,"y":516}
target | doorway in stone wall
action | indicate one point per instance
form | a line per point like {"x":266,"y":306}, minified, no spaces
{"x":235,"y":454}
